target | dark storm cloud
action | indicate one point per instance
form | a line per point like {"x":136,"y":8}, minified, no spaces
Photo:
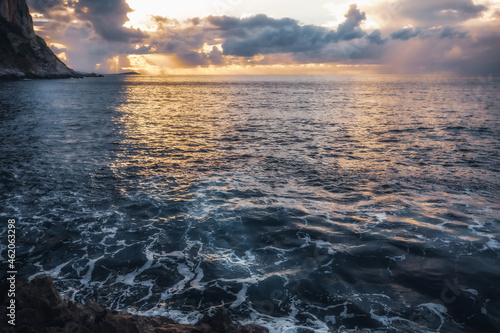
{"x":174,"y":38}
{"x":261,"y":34}
{"x":44,"y":6}
{"x":273,"y":36}
{"x":451,"y":32}
{"x":444,"y":32}
{"x":193,"y":58}
{"x":376,"y":38}
{"x":349,"y":29}
{"x":405,"y":33}
{"x":108,"y":18}
{"x":432,"y":12}
{"x":216,"y":56}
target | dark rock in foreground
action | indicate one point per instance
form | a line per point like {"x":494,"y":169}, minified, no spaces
{"x":40,"y":309}
{"x":23,"y":54}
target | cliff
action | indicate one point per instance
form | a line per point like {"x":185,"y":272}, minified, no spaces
{"x":40,"y":309}
{"x":23,"y":54}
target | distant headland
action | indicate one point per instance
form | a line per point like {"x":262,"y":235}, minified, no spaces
{"x":127,"y":73}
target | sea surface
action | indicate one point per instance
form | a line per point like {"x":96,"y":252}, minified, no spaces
{"x":301,"y":203}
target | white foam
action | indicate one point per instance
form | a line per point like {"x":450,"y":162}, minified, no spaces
{"x":196,"y":283}
{"x":129,"y":279}
{"x":150,"y":284}
{"x":190,"y":318}
{"x":472,"y":291}
{"x":437,"y":309}
{"x":381,"y":217}
{"x":184,"y":270}
{"x":53,"y":272}
{"x":88,"y":276}
{"x":330,"y":319}
{"x":492,"y":244}
{"x":385,"y":320}
{"x":241,"y":296}
{"x":57,"y":270}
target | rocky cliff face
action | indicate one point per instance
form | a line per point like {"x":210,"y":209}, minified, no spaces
{"x":22,"y":52}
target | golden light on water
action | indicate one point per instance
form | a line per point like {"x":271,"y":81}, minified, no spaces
{"x":182,"y":125}
{"x":171,"y":124}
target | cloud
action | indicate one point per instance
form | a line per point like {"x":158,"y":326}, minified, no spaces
{"x":468,"y":56}
{"x":405,"y":33}
{"x":451,"y":32}
{"x":432,"y":12}
{"x":350,"y":29}
{"x":44,"y":6}
{"x":216,"y":56}
{"x":108,"y":18}
{"x":261,"y":34}
{"x":194,"y":41}
{"x":57,"y":50}
{"x":443,"y":32}
{"x":376,"y":37}
{"x":92,"y":32}
{"x":273,"y":36}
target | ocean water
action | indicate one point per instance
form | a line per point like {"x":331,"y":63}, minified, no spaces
{"x":301,"y":203}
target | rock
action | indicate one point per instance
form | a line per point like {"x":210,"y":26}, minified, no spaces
{"x":17,"y":13}
{"x":23,"y":54}
{"x":40,"y":309}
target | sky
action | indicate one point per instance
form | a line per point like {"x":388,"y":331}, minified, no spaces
{"x":164,"y":37}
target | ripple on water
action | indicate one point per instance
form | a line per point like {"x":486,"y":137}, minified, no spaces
{"x":302,"y":204}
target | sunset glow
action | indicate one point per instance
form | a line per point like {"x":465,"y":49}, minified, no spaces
{"x":234,"y":36}
{"x":143,"y":10}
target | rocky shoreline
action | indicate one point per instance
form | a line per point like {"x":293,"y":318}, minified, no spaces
{"x":41,"y":309}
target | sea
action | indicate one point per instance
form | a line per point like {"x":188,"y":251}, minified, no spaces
{"x":363,"y":203}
